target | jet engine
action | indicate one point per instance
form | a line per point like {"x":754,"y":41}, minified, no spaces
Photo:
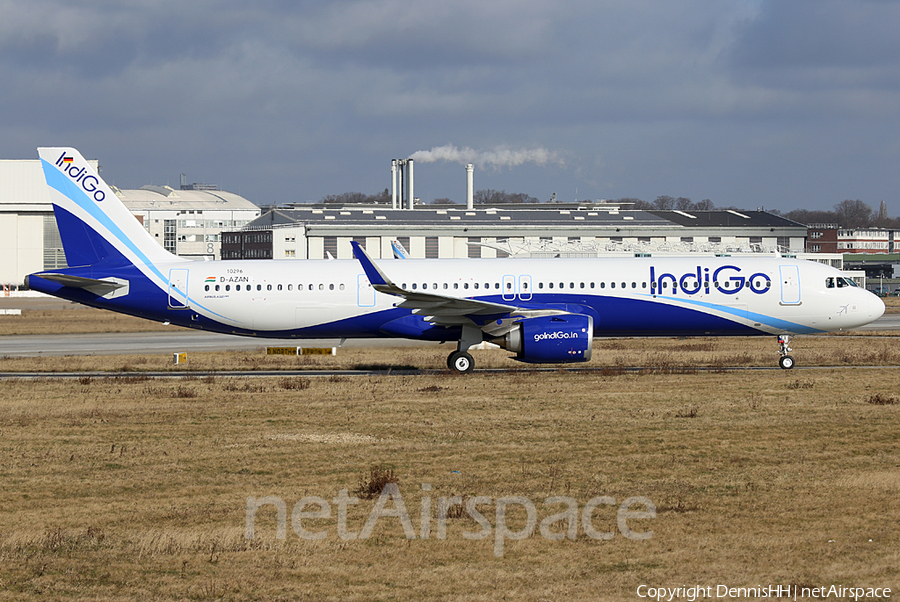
{"x":558,"y":339}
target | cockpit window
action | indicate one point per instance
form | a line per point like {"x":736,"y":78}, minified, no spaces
{"x":840,"y":281}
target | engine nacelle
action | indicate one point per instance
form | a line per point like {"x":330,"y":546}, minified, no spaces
{"x":551,"y":339}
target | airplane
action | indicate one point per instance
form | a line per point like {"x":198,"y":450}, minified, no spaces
{"x":543,"y":310}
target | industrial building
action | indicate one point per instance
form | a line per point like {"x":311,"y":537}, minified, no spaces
{"x":187,"y":222}
{"x":549,"y":230}
{"x":322,"y":231}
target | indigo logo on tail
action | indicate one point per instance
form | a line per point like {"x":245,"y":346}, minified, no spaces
{"x":89,"y":183}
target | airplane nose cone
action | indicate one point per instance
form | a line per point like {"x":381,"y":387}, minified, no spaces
{"x":875,"y":308}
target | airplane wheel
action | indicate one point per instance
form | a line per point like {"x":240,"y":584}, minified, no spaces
{"x":786,"y":362}
{"x":460,"y":362}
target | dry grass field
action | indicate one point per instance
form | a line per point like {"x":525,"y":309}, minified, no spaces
{"x":134,"y":488}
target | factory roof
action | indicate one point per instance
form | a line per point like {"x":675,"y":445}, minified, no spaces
{"x":167,"y":198}
{"x":531,"y":216}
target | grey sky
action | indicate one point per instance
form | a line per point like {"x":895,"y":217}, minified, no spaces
{"x":771,"y":103}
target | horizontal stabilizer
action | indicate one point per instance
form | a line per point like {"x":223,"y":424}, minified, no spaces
{"x":92,"y":285}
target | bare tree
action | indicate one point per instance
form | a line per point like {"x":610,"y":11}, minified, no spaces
{"x":683,"y":204}
{"x":501,"y":197}
{"x":853,"y":214}
{"x":664,"y":203}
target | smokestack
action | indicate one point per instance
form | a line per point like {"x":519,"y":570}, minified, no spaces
{"x":393,"y":183}
{"x":409,"y":175}
{"x":470,"y":186}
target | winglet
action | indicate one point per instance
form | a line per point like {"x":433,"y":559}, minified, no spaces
{"x":373,"y":273}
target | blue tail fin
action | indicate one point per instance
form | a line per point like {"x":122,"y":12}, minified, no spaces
{"x":95,"y":226}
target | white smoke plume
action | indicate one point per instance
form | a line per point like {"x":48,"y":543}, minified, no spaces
{"x":500,"y":156}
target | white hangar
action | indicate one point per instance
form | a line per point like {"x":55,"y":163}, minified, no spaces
{"x":188,"y":222}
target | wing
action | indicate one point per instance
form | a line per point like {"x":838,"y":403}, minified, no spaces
{"x":445,"y":310}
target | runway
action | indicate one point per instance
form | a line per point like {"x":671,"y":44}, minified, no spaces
{"x":184,"y":340}
{"x":124,"y":343}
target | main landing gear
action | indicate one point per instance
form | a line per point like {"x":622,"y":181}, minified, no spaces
{"x":460,"y":361}
{"x":785,"y":361}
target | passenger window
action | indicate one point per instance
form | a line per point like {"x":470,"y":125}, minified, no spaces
{"x":299,"y":287}
{"x":571,"y":285}
{"x":634,"y":285}
{"x":466,"y":285}
{"x":612,"y":285}
{"x":227,"y":287}
{"x":476,"y":285}
{"x":455,"y":285}
{"x":279,"y":287}
{"x":217,"y":287}
{"x":238,"y":287}
{"x":414,"y":286}
{"x":342,"y":287}
{"x":207,"y":287}
{"x":268,"y":287}
{"x":602,"y":285}
{"x":582,"y":285}
{"x":321,"y":287}
{"x":331,"y":287}
{"x":550,"y":285}
{"x":290,"y":287}
{"x":259,"y":287}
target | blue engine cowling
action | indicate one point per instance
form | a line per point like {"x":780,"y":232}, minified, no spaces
{"x":551,"y":339}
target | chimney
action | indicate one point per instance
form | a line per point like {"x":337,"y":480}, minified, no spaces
{"x":393,"y":183}
{"x":409,"y":176}
{"x":470,"y":186}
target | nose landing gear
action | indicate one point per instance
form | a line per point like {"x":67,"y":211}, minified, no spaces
{"x":785,"y":361}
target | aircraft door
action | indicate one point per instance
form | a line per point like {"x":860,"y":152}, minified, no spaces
{"x":525,"y":288}
{"x":178,"y":289}
{"x":365,"y":294}
{"x":790,"y":284}
{"x":509,"y":287}
{"x":514,"y":287}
